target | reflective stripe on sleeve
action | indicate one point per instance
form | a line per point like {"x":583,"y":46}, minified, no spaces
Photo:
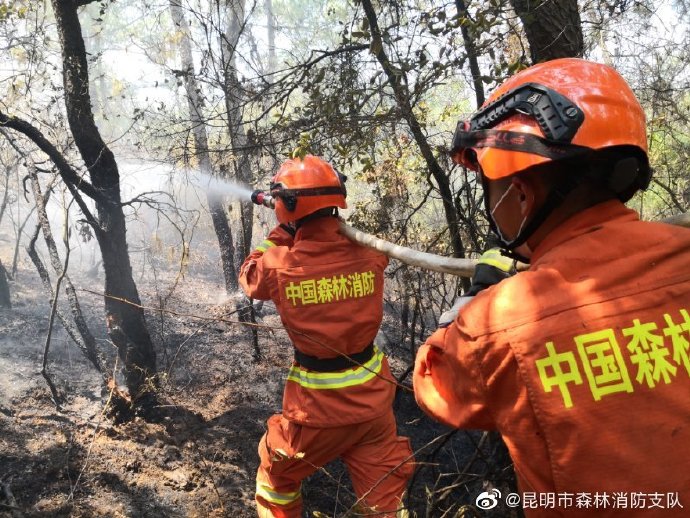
{"x":337,"y":380}
{"x":496,"y":259}
{"x":275,"y":497}
{"x":265,"y":245}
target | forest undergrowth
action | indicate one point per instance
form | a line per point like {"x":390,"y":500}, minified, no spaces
{"x":196,"y":456}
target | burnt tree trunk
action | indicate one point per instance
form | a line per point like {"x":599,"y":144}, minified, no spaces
{"x":125,"y":318}
{"x":234,"y":101}
{"x":553,"y":28}
{"x":195,"y":104}
{"x":242,"y":146}
{"x":5,"y":300}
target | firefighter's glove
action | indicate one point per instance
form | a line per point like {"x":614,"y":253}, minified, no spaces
{"x":491,"y":269}
{"x":447,"y":317}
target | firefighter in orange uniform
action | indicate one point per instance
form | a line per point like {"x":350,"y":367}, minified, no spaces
{"x":582,"y":362}
{"x":339,"y":391}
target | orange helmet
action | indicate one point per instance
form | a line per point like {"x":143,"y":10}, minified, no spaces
{"x":303,"y":186}
{"x":555,"y":110}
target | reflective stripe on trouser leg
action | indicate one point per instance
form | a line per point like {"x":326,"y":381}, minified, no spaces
{"x":279,"y":477}
{"x":272,"y":496}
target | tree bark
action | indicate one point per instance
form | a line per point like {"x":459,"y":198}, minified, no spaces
{"x":18,"y":240}
{"x":471,"y":51}
{"x":553,"y":28}
{"x":125,"y":321}
{"x":5,"y":299}
{"x":6,"y":194}
{"x":195,"y":104}
{"x":45,"y":279}
{"x":234,"y":100}
{"x":271,"y":35}
{"x":398,"y":82}
{"x":82,"y":335}
{"x":241,"y":143}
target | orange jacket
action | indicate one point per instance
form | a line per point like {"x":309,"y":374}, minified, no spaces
{"x":329,"y":293}
{"x":582,"y":363}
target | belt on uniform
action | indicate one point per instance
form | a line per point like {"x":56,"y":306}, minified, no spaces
{"x":334,"y":364}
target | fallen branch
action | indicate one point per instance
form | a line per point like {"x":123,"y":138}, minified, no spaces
{"x":438,"y":263}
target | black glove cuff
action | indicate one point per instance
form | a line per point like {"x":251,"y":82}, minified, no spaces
{"x":485,"y":276}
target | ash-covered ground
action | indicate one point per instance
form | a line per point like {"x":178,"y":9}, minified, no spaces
{"x":198,"y":457}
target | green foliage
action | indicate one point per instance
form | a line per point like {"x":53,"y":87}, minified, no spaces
{"x":303,"y":147}
{"x":12,"y":10}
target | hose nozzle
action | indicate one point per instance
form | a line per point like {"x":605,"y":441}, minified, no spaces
{"x":260,"y":197}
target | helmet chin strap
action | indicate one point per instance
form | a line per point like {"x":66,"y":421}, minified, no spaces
{"x":527,"y":228}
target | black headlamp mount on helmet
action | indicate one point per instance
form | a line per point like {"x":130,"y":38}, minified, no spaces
{"x":557,"y":117}
{"x":559,"y":120}
{"x":290,"y":196}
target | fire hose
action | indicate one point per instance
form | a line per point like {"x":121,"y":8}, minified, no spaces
{"x":436,"y":263}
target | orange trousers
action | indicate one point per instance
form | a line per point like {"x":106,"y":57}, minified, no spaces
{"x":378,"y":460}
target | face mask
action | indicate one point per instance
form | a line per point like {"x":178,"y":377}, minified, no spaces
{"x":504,"y":240}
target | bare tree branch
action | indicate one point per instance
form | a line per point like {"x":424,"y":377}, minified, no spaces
{"x":67,"y":173}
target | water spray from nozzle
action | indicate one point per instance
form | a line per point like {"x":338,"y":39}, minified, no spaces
{"x":260,"y":197}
